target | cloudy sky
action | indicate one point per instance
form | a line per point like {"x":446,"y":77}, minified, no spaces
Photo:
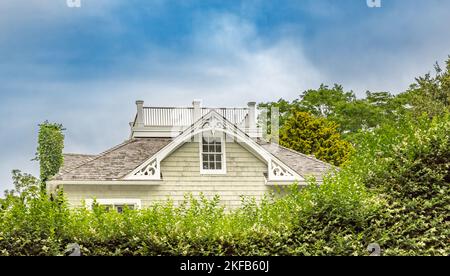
{"x":84,"y":67}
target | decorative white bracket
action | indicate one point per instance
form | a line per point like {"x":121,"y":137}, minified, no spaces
{"x":280,"y":172}
{"x":147,"y":171}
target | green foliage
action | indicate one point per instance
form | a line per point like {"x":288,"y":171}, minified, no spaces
{"x":49,"y":150}
{"x":413,"y":188}
{"x":352,"y":115}
{"x":318,"y":136}
{"x":430,"y":94}
{"x":393,"y":191}
{"x":325,"y":101}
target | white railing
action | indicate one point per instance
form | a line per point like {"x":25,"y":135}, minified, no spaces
{"x":234,"y":115}
{"x":167,"y":116}
{"x":175,"y":116}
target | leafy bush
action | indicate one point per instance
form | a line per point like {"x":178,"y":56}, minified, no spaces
{"x":49,"y":150}
{"x":413,"y":190}
{"x":318,"y":136}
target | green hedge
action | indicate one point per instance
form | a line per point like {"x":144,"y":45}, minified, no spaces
{"x":394,"y":191}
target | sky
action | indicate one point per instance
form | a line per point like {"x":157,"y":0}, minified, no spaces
{"x":85,"y":67}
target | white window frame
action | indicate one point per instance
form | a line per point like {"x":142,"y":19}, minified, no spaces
{"x":114,"y":201}
{"x":224,"y":157}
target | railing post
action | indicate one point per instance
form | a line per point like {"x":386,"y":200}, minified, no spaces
{"x":251,"y":123}
{"x":197,"y":113}
{"x":140,"y":113}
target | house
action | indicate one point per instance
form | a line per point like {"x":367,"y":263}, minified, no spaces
{"x":174,"y":151}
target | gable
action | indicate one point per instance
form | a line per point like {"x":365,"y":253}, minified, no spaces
{"x":184,"y":165}
{"x":214,"y":122}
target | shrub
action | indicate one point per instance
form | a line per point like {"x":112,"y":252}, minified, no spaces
{"x":413,"y":189}
{"x":318,"y":136}
{"x":49,"y":150}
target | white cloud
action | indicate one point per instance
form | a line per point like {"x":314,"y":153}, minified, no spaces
{"x":230,"y":58}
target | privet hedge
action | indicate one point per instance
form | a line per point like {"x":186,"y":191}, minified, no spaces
{"x":394,"y":192}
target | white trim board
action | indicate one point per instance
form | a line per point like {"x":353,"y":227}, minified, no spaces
{"x":114,"y":201}
{"x":224,"y":156}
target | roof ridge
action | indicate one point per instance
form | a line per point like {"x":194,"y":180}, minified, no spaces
{"x":95,"y":157}
{"x":79,"y":154}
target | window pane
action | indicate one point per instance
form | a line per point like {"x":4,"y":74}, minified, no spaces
{"x":119,"y":208}
{"x":211,"y":153}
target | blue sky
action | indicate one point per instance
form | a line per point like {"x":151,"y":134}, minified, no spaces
{"x":84,"y":67}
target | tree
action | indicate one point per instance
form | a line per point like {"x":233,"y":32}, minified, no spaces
{"x":364,"y":114}
{"x":318,"y":136}
{"x":342,"y":107}
{"x":430,"y":94}
{"x":24,"y":185}
{"x":351,"y":114}
{"x":323,"y":101}
{"x":26,"y":188}
{"x":49,"y":150}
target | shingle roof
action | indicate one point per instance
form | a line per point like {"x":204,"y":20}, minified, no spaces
{"x":72,"y":160}
{"x":303,"y":164}
{"x":114,"y":163}
{"x":119,"y":161}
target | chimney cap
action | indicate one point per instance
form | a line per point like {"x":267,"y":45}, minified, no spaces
{"x":139,"y":102}
{"x":251,"y":103}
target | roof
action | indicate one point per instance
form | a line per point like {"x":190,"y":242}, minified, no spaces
{"x":119,"y":161}
{"x":112,"y":164}
{"x":73,"y":160}
{"x":304,"y":165}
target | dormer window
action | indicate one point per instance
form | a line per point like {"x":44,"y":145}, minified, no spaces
{"x":212,"y":155}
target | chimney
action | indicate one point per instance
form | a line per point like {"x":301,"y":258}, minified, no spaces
{"x":251,"y":122}
{"x":140,"y":114}
{"x":197,"y":113}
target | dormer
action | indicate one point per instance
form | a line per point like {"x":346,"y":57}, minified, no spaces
{"x":169,"y":122}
